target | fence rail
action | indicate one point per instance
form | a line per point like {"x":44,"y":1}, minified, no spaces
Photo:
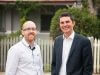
{"x":46,"y":51}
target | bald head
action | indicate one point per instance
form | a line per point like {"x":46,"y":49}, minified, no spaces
{"x":29,"y":31}
{"x":28,"y":24}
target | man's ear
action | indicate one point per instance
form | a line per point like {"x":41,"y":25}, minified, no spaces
{"x":74,"y":23}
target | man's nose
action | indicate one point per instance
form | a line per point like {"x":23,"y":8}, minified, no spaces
{"x":31,"y":30}
{"x":65,"y":23}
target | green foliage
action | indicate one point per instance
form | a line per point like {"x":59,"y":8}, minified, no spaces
{"x":47,"y":68}
{"x":25,"y":8}
{"x":86,"y":23}
{"x":85,"y":3}
{"x":13,"y":34}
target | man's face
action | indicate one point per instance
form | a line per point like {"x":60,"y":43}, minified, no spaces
{"x":66,"y":25}
{"x":29,"y":31}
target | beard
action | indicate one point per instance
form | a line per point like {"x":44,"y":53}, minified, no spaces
{"x":31,"y":37}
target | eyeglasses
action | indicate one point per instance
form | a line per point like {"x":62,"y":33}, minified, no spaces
{"x":28,"y":29}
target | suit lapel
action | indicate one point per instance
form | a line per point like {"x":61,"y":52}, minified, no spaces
{"x":60,"y":48}
{"x":73,"y":46}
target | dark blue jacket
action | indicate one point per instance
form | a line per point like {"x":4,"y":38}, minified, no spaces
{"x":80,"y":57}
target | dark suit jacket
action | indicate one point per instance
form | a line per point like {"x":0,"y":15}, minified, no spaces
{"x":79,"y":60}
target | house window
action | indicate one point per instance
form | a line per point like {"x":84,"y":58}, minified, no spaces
{"x":45,"y":22}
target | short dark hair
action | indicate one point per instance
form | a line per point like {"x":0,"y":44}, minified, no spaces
{"x":66,"y":14}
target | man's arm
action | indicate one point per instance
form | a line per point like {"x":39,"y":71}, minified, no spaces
{"x":87,"y":58}
{"x":53,"y":65}
{"x":12,"y":62}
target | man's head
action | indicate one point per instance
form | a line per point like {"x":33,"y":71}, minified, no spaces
{"x":67,"y":23}
{"x":29,"y":31}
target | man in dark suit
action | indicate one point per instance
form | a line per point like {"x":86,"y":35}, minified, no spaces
{"x":72,"y":53}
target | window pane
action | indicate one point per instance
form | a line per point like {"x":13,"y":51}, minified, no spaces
{"x":45,"y":22}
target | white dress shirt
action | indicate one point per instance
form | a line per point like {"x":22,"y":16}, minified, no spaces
{"x":67,"y":42}
{"x":21,"y":60}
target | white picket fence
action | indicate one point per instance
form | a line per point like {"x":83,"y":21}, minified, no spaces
{"x":46,"y":46}
{"x":96,"y":56}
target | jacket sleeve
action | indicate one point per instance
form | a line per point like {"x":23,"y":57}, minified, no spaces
{"x":53,"y":65}
{"x":87,"y":58}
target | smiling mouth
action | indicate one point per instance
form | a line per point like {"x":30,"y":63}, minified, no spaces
{"x":66,"y":28}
